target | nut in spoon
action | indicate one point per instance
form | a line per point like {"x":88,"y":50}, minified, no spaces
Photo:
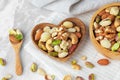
{"x":16,"y":39}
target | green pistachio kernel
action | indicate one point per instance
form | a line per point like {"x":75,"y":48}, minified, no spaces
{"x":19,"y":36}
{"x":53,"y":77}
{"x":55,"y":54}
{"x":98,"y":18}
{"x":56,"y":42}
{"x":115,"y":47}
{"x":2,"y":62}
{"x":34,"y":67}
{"x":118,"y":35}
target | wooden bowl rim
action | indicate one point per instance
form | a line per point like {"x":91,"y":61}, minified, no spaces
{"x":91,"y":27}
{"x":82,"y":25}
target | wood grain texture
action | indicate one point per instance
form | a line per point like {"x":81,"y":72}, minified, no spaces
{"x":17,"y":46}
{"x":104,"y":51}
{"x":76,"y":21}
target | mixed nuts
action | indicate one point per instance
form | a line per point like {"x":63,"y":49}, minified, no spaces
{"x":58,"y":41}
{"x":107,"y":28}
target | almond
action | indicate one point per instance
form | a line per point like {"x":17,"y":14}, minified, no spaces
{"x":101,"y":13}
{"x":103,"y":62}
{"x":38,"y":34}
{"x":78,"y":34}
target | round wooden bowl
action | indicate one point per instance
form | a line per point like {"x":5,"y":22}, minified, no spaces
{"x":104,"y":51}
{"x":76,"y":21}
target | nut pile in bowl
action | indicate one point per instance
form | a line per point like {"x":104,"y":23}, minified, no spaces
{"x":59,"y":41}
{"x":105,"y":30}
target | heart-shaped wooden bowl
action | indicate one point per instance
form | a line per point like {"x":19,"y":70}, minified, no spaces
{"x":76,"y":21}
{"x":104,"y":51}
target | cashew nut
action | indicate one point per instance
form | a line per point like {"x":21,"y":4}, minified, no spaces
{"x":77,"y":28}
{"x":74,"y":38}
{"x":49,"y":47}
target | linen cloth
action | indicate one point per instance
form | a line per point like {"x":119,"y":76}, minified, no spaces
{"x":25,"y":14}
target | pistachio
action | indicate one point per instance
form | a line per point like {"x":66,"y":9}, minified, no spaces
{"x":2,"y":62}
{"x":118,"y":35}
{"x":98,"y":18}
{"x":96,"y":26}
{"x":54,"y":54}
{"x":34,"y":67}
{"x":91,"y":76}
{"x":67,"y":77}
{"x":73,"y":62}
{"x":62,"y":54}
{"x":105,"y":43}
{"x":68,"y":24}
{"x":56,"y":42}
{"x":84,"y":57}
{"x":105,"y":22}
{"x":114,"y":11}
{"x":4,"y":78}
{"x":89,"y":64}
{"x":41,"y":71}
{"x":79,"y":78}
{"x":115,"y":46}
{"x":76,"y":66}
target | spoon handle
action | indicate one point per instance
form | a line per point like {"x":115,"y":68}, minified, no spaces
{"x":18,"y":63}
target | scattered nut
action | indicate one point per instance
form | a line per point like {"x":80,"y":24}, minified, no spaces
{"x":67,"y":77}
{"x":103,"y":62}
{"x":8,"y":76}
{"x":89,"y":64}
{"x":76,"y":66}
{"x":84,"y":58}
{"x":73,"y":62}
{"x":2,"y":62}
{"x":41,"y":71}
{"x":33,"y":67}
{"x":79,"y":78}
{"x":91,"y":76}
{"x":49,"y":77}
{"x":4,"y":78}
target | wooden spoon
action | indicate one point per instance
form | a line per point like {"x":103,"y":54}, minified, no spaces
{"x":17,"y":47}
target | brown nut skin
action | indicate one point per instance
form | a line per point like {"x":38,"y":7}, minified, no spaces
{"x":111,"y":17}
{"x":72,"y":48}
{"x":102,"y":12}
{"x":13,"y":39}
{"x":105,"y":15}
{"x":38,"y":34}
{"x":103,"y":62}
